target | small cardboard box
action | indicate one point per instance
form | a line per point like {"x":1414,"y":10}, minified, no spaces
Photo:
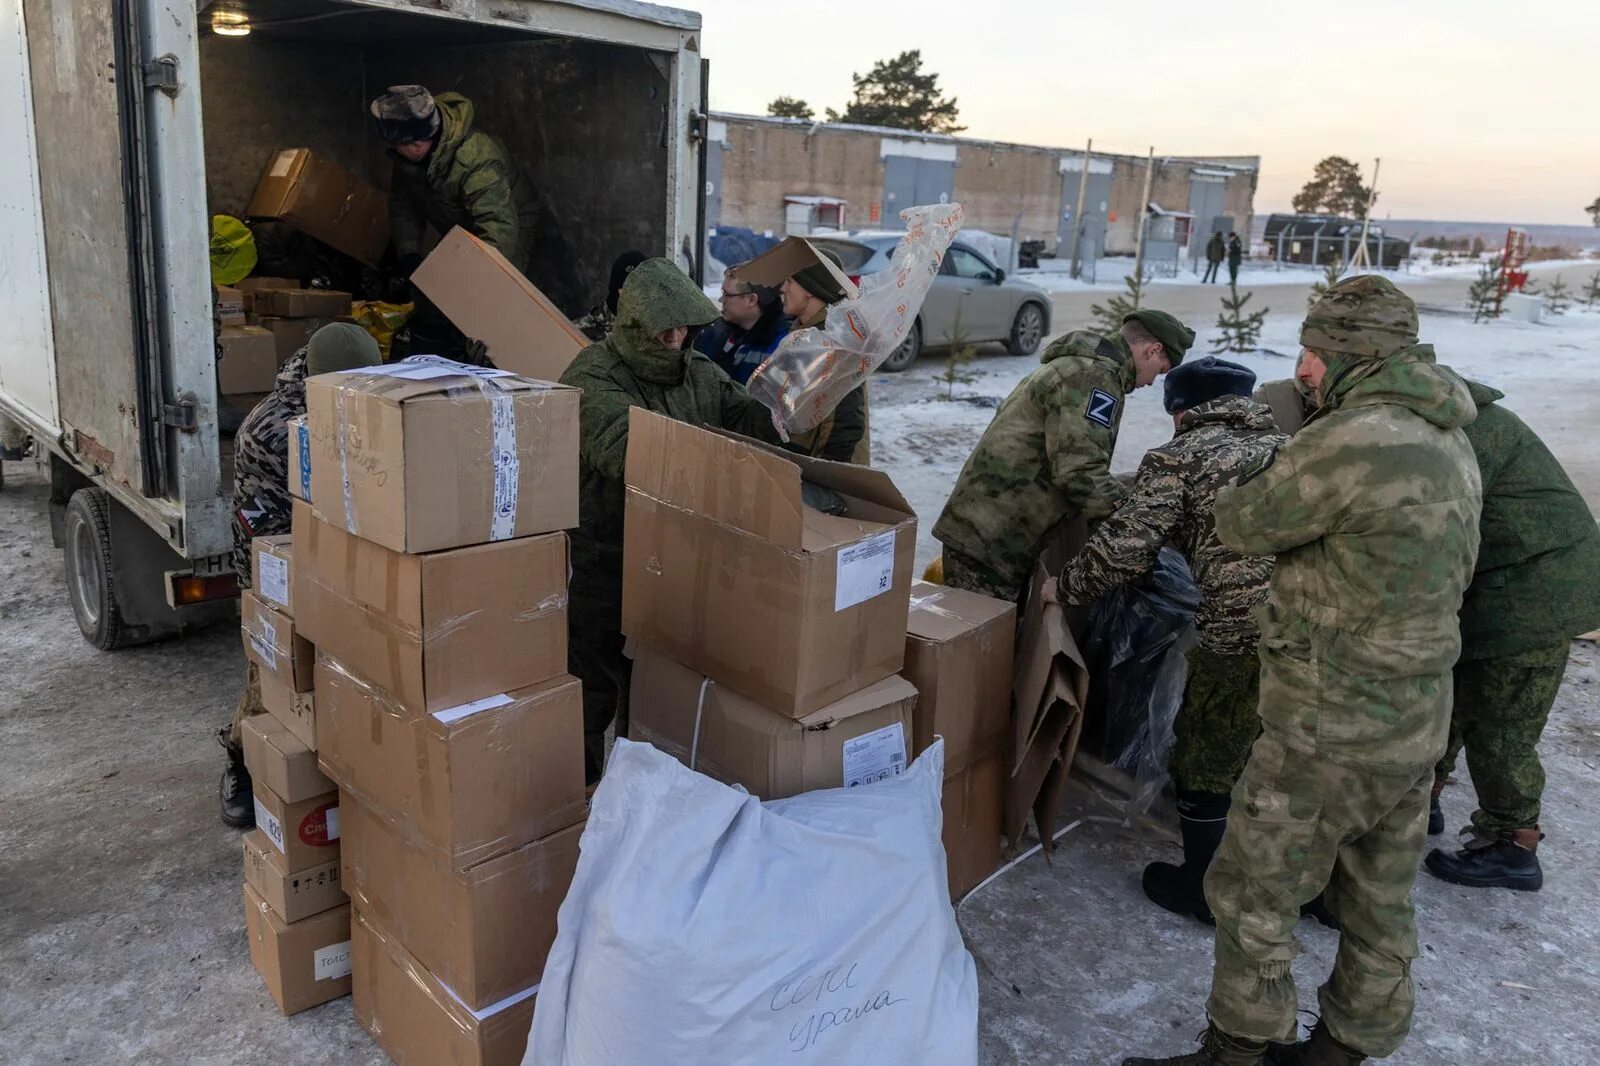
{"x":271,"y":640}
{"x":292,"y":896}
{"x":299,"y":458}
{"x":417,"y":1022}
{"x":485,"y":931}
{"x":424,"y":456}
{"x":303,"y":963}
{"x":281,"y":761}
{"x":250,"y":286}
{"x":292,"y":334}
{"x":489,"y":300}
{"x":789,"y":256}
{"x":974,"y":822}
{"x":271,"y":563}
{"x":322,"y":199}
{"x":473,"y":781}
{"x":316,"y":304}
{"x":864,"y":737}
{"x":718,"y":546}
{"x":306,"y":832}
{"x":294,"y":711}
{"x":249,"y":363}
{"x":439,"y":630}
{"x":230,"y":305}
{"x":959,"y":651}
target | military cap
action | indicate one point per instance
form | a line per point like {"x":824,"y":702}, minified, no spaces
{"x":1365,"y":316}
{"x":1175,"y":337}
{"x":816,"y":280}
{"x":340,"y":346}
{"x":406,"y":114}
{"x":1203,"y":380}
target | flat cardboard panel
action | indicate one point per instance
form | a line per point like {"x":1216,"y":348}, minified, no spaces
{"x":321,"y":198}
{"x":249,"y":363}
{"x":292,"y":896}
{"x":784,"y":260}
{"x":416,"y":1020}
{"x":289,"y":957}
{"x":960,"y":647}
{"x":434,"y":631}
{"x":302,"y":304}
{"x":272,"y":577}
{"x":744,"y":743}
{"x":273,"y":643}
{"x":484,"y":932}
{"x":305,"y":832}
{"x":281,"y":761}
{"x":418,"y":466}
{"x":472,"y":782}
{"x":489,"y":300}
{"x":974,"y":822}
{"x":295,"y":711}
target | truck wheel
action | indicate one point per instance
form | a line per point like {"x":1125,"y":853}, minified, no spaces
{"x":1027,"y":331}
{"x":903,"y":356}
{"x":88,"y":558}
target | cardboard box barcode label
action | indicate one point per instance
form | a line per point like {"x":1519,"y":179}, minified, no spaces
{"x":270,"y":826}
{"x":332,"y":962}
{"x":875,"y":756}
{"x":865,"y":570}
{"x":275,"y":579}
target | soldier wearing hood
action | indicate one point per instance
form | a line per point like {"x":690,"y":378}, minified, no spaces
{"x":645,"y":362}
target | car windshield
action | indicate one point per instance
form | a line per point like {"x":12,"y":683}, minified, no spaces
{"x":852,"y":256}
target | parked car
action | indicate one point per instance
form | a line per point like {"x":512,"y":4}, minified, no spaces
{"x":991,"y":306}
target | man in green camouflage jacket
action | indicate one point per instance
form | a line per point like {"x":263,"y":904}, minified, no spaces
{"x":1046,"y":456}
{"x":1219,"y":431}
{"x":644,"y":362}
{"x":1372,"y":514}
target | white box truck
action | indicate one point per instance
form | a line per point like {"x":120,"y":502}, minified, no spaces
{"x":128,"y":123}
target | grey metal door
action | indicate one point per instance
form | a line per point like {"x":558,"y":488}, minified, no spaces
{"x":1205,"y":204}
{"x":909,"y":182}
{"x":714,"y":151}
{"x":1096,"y":205}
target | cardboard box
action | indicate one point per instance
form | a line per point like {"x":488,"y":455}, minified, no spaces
{"x":322,"y":199}
{"x":420,"y":457}
{"x":862,"y":738}
{"x":292,"y":334}
{"x":271,"y":562}
{"x":323,"y":304}
{"x":974,"y":822}
{"x":299,"y":458}
{"x":434,"y":631}
{"x":250,"y":286}
{"x":249,"y":362}
{"x":304,"y":963}
{"x":960,"y":648}
{"x":415,"y":1019}
{"x":489,"y":300}
{"x":273,"y":642}
{"x":230,"y":305}
{"x":718,"y":547}
{"x":472,"y":781}
{"x":292,"y":896}
{"x":278,"y":759}
{"x":294,"y":711}
{"x":305,"y":832}
{"x":784,"y":260}
{"x":483,"y":932}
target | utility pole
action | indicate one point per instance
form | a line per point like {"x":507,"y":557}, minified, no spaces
{"x":1361,"y":258}
{"x":1083,"y":192}
{"x":1138,"y":239}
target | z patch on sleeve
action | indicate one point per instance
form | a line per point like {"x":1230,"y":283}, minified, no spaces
{"x":1102,"y":408}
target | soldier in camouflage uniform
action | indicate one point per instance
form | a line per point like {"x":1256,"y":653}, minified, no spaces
{"x":1372,"y":514}
{"x":1290,"y":399}
{"x":1219,"y":431}
{"x":644,"y":362}
{"x":262,"y":507}
{"x":1537,"y":585}
{"x":1046,"y":456}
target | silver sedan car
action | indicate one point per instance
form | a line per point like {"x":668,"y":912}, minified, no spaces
{"x":992,"y":306}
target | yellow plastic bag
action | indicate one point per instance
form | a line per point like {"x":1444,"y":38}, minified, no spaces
{"x":233,"y":250}
{"x":382,"y":320}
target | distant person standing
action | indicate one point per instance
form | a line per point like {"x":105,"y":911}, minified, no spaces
{"x":1235,"y":257}
{"x":1215,"y":249}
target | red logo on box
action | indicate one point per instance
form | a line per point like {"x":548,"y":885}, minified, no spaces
{"x":314,"y":826}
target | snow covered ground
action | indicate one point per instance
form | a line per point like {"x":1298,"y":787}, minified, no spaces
{"x":1054,"y":275}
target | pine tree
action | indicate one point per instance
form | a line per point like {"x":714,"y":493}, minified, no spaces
{"x":1557,"y":298}
{"x":790,"y":107}
{"x":1330,"y":274}
{"x":1107,"y":317}
{"x":1335,"y":188}
{"x":1483,"y":294}
{"x":962,"y":352}
{"x":1591,"y":292}
{"x":1239,"y":331}
{"x":896,"y":93}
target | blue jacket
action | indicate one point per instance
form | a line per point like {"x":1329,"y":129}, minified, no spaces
{"x":740,"y":351}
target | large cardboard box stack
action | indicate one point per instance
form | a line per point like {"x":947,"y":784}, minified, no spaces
{"x":431,"y":574}
{"x":296,"y":913}
{"x":768,"y":635}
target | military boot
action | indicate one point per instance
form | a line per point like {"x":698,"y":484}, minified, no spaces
{"x":1216,"y":1049}
{"x":1435,"y":812}
{"x":238,"y":801}
{"x":1203,"y":817}
{"x":1509,"y":860}
{"x":1321,"y":1049}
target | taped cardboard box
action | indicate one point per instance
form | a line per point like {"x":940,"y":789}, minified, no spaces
{"x":974,"y":821}
{"x":292,"y":896}
{"x":862,"y":738}
{"x":320,"y":198}
{"x":299,"y":458}
{"x":439,"y":630}
{"x":230,"y":305}
{"x":425,"y":456}
{"x":484,"y":932}
{"x":303,"y":963}
{"x":417,"y":1021}
{"x":960,"y":648}
{"x":472,"y":781}
{"x":281,"y":761}
{"x":292,"y":334}
{"x":718,"y":546}
{"x":305,"y":832}
{"x":294,"y":711}
{"x":310,"y":304}
{"x":489,"y":300}
{"x":273,"y":643}
{"x":271,"y":563}
{"x":250,"y":286}
{"x":249,"y":363}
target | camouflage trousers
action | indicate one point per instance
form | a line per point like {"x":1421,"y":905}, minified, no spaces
{"x":1501,"y":706}
{"x":1217,"y":722}
{"x":1300,"y":825}
{"x":964,"y":572}
{"x":249,"y":704}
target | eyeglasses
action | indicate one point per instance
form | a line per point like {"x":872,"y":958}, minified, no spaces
{"x":726,"y":295}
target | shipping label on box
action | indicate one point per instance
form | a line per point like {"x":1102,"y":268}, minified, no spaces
{"x":303,"y":963}
{"x":273,"y":643}
{"x":282,"y":761}
{"x":320,"y":198}
{"x":299,"y":458}
{"x":292,"y":896}
{"x":306,"y":832}
{"x":270,"y":560}
{"x":960,"y":651}
{"x":429,"y":454}
{"x":249,"y":363}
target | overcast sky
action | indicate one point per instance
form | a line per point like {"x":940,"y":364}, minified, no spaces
{"x":1479,"y":110}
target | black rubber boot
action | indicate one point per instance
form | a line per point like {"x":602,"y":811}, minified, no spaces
{"x":238,"y":802}
{"x":1320,"y":1049}
{"x":1436,"y":812}
{"x":1510,"y":861}
{"x":1216,"y":1049}
{"x":1203,"y":817}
